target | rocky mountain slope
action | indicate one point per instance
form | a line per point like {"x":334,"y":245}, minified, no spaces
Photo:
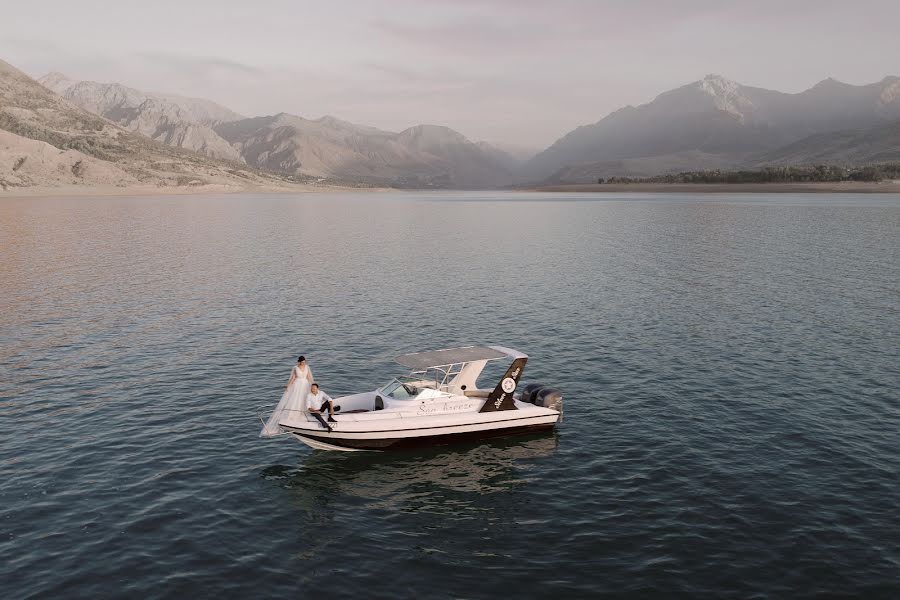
{"x":420,"y":157}
{"x":174,"y":120}
{"x":714,"y":122}
{"x":46,"y":141}
{"x":512,"y":160}
{"x":642,"y":167}
{"x":853,"y":147}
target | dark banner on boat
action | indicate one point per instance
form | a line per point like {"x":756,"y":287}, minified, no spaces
{"x":502,"y":396}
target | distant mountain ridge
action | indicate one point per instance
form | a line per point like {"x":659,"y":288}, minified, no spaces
{"x":716,"y":121}
{"x":174,"y":120}
{"x":107,"y":97}
{"x":47,"y":141}
{"x":850,"y":147}
{"x":421,"y":156}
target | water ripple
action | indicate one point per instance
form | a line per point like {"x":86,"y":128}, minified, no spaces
{"x":730,"y":366}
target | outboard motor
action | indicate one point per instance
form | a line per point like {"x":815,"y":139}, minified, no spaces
{"x":529,"y":391}
{"x":542,"y":395}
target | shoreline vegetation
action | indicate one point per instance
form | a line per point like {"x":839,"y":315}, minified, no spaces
{"x":788,"y":174}
{"x":883,"y":178}
{"x":846,"y":187}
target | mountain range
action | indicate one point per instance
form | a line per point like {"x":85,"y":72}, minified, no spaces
{"x":108,"y":132}
{"x":421,"y":156}
{"x":329,"y":148}
{"x":46,"y":141}
{"x":174,"y":120}
{"x":717,"y":123}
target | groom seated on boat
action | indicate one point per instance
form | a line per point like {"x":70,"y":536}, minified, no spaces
{"x":316,"y":401}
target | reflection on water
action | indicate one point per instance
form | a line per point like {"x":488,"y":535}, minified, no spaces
{"x":433,"y":480}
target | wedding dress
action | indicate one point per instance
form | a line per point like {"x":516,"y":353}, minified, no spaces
{"x":292,"y":402}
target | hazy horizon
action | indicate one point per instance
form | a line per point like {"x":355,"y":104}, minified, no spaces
{"x":514,"y":73}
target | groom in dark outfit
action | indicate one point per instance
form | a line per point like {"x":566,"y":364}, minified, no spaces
{"x":316,"y":401}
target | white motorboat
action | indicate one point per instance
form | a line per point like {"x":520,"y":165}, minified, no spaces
{"x":438,"y":402}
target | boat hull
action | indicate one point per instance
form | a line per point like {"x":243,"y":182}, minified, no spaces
{"x":421,"y":437}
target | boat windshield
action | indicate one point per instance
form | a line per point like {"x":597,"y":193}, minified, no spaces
{"x":400,"y":390}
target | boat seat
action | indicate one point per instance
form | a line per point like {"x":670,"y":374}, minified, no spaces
{"x":477,"y":393}
{"x":379,"y":403}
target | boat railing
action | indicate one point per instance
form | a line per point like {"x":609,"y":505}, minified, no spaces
{"x":441,"y":375}
{"x":263,"y":413}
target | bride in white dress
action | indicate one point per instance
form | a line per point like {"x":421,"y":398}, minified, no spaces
{"x":294,"y":398}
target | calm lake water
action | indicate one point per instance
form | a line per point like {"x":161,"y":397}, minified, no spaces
{"x":730,"y":367}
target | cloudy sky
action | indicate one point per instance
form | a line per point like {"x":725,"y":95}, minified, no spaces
{"x":521,"y":72}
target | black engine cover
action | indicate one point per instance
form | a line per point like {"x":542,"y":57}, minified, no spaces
{"x":540,"y":394}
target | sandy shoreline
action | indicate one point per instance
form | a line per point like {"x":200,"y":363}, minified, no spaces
{"x":81,"y":190}
{"x":861,"y":187}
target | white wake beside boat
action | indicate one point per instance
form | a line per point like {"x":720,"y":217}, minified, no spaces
{"x":438,"y":402}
